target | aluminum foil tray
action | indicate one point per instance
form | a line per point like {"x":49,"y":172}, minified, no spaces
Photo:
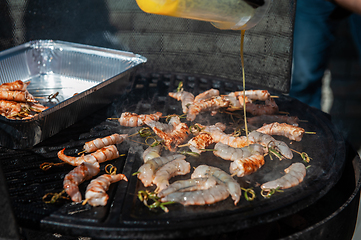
{"x":87,"y":78}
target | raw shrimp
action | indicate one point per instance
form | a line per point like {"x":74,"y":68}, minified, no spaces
{"x":147,"y":170}
{"x":283,"y":129}
{"x":260,"y":120}
{"x":199,"y":142}
{"x":204,"y":96}
{"x":294,"y":175}
{"x":268,"y":141}
{"x":151,"y":152}
{"x":202,"y":106}
{"x":261,"y":95}
{"x":230,"y":153}
{"x":134,"y":120}
{"x":95,"y":193}
{"x":246,"y":166}
{"x":99,"y":143}
{"x":174,"y":168}
{"x":17,"y":96}
{"x":102,"y":155}
{"x":187,"y":99}
{"x":188,"y":185}
{"x":269,"y":108}
{"x":18,"y":85}
{"x":222,"y":178}
{"x":165,"y":127}
{"x":174,"y":138}
{"x":81,"y":173}
{"x":201,"y":197}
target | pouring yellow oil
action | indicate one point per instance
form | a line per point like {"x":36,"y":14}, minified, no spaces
{"x":163,"y":7}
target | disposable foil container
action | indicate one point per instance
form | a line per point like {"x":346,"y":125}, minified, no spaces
{"x":85,"y":79}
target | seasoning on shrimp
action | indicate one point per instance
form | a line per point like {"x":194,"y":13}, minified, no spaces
{"x":208,"y":105}
{"x":151,"y":152}
{"x":99,"y":143}
{"x":17,"y":85}
{"x":174,"y":168}
{"x":185,"y":97}
{"x":204,"y":96}
{"x":134,"y":120}
{"x":81,"y":173}
{"x":200,"y":142}
{"x":102,"y":155}
{"x":211,"y":195}
{"x":261,"y":119}
{"x":245,"y":166}
{"x":95,"y":193}
{"x":283,"y":129}
{"x":9,"y":108}
{"x":147,"y":171}
{"x":294,"y":175}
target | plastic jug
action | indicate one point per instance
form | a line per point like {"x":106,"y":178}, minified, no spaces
{"x":223,"y":14}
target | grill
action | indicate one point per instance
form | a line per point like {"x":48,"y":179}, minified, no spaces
{"x":125,"y":216}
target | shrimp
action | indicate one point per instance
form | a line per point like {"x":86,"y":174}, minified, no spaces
{"x":165,"y":127}
{"x":269,"y":108}
{"x":18,"y":85}
{"x":174,"y":168}
{"x":147,"y":171}
{"x":99,"y":143}
{"x":95,"y":193}
{"x":201,"y":197}
{"x":17,"y":96}
{"x":283,"y":129}
{"x":151,"y":152}
{"x":246,"y":166}
{"x":294,"y":175}
{"x":102,"y":155}
{"x":134,"y":120}
{"x":202,"y":106}
{"x":187,"y":99}
{"x":188,"y":185}
{"x":206,"y":95}
{"x":261,"y":95}
{"x":81,"y":173}
{"x":222,"y":178}
{"x":257,"y":120}
{"x":9,"y":108}
{"x":199,"y":142}
{"x":229,"y":153}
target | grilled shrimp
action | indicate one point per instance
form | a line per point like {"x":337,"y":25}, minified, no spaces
{"x":230,"y":153}
{"x":188,"y":185}
{"x":102,"y":155}
{"x":199,"y":142}
{"x":148,"y":169}
{"x":18,"y":85}
{"x":187,"y":98}
{"x":151,"y":152}
{"x":9,"y":108}
{"x":202,"y":106}
{"x":17,"y":96}
{"x":84,"y":171}
{"x":174,"y":168}
{"x":246,"y":166}
{"x":269,"y":108}
{"x":95,"y":193}
{"x":201,"y":197}
{"x":204,"y":96}
{"x":257,"y":120}
{"x":283,"y":129}
{"x":222,"y":178}
{"x":134,"y":120}
{"x":174,"y":138}
{"x":294,"y":175}
{"x":99,"y":143}
{"x":261,"y":95}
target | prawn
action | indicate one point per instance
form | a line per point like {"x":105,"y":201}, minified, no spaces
{"x":128,"y":119}
{"x":9,"y":108}
{"x":18,"y":85}
{"x":261,"y":95}
{"x":246,"y":166}
{"x":185,"y":97}
{"x":200,"y":197}
{"x":99,"y":143}
{"x":165,"y":127}
{"x":17,"y":96}
{"x":81,"y":173}
{"x":201,"y":141}
{"x":283,"y":129}
{"x":147,"y":171}
{"x":102,"y":155}
{"x":174,"y":168}
{"x":202,"y":106}
{"x":151,"y":152}
{"x":230,"y":153}
{"x":206,"y":95}
{"x":294,"y":175}
{"x":188,"y":185}
{"x":269,"y":108}
{"x":222,"y":178}
{"x":95,"y":193}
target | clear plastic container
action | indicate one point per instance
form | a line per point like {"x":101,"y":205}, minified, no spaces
{"x":225,"y":14}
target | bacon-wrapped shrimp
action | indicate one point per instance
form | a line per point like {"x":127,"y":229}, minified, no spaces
{"x":95,"y":193}
{"x":185,"y":97}
{"x":201,"y":197}
{"x":209,"y":105}
{"x":188,"y":185}
{"x":227,"y":152}
{"x":261,"y":95}
{"x":204,"y":96}
{"x":99,"y":143}
{"x":151,"y":152}
{"x":17,"y":96}
{"x":17,"y":85}
{"x":174,"y":168}
{"x":283,"y":129}
{"x":147,"y":171}
{"x":81,"y":173}
{"x":102,"y":155}
{"x":269,"y":108}
{"x":222,"y":178}
{"x":261,"y":119}
{"x":134,"y":120}
{"x":294,"y":175}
